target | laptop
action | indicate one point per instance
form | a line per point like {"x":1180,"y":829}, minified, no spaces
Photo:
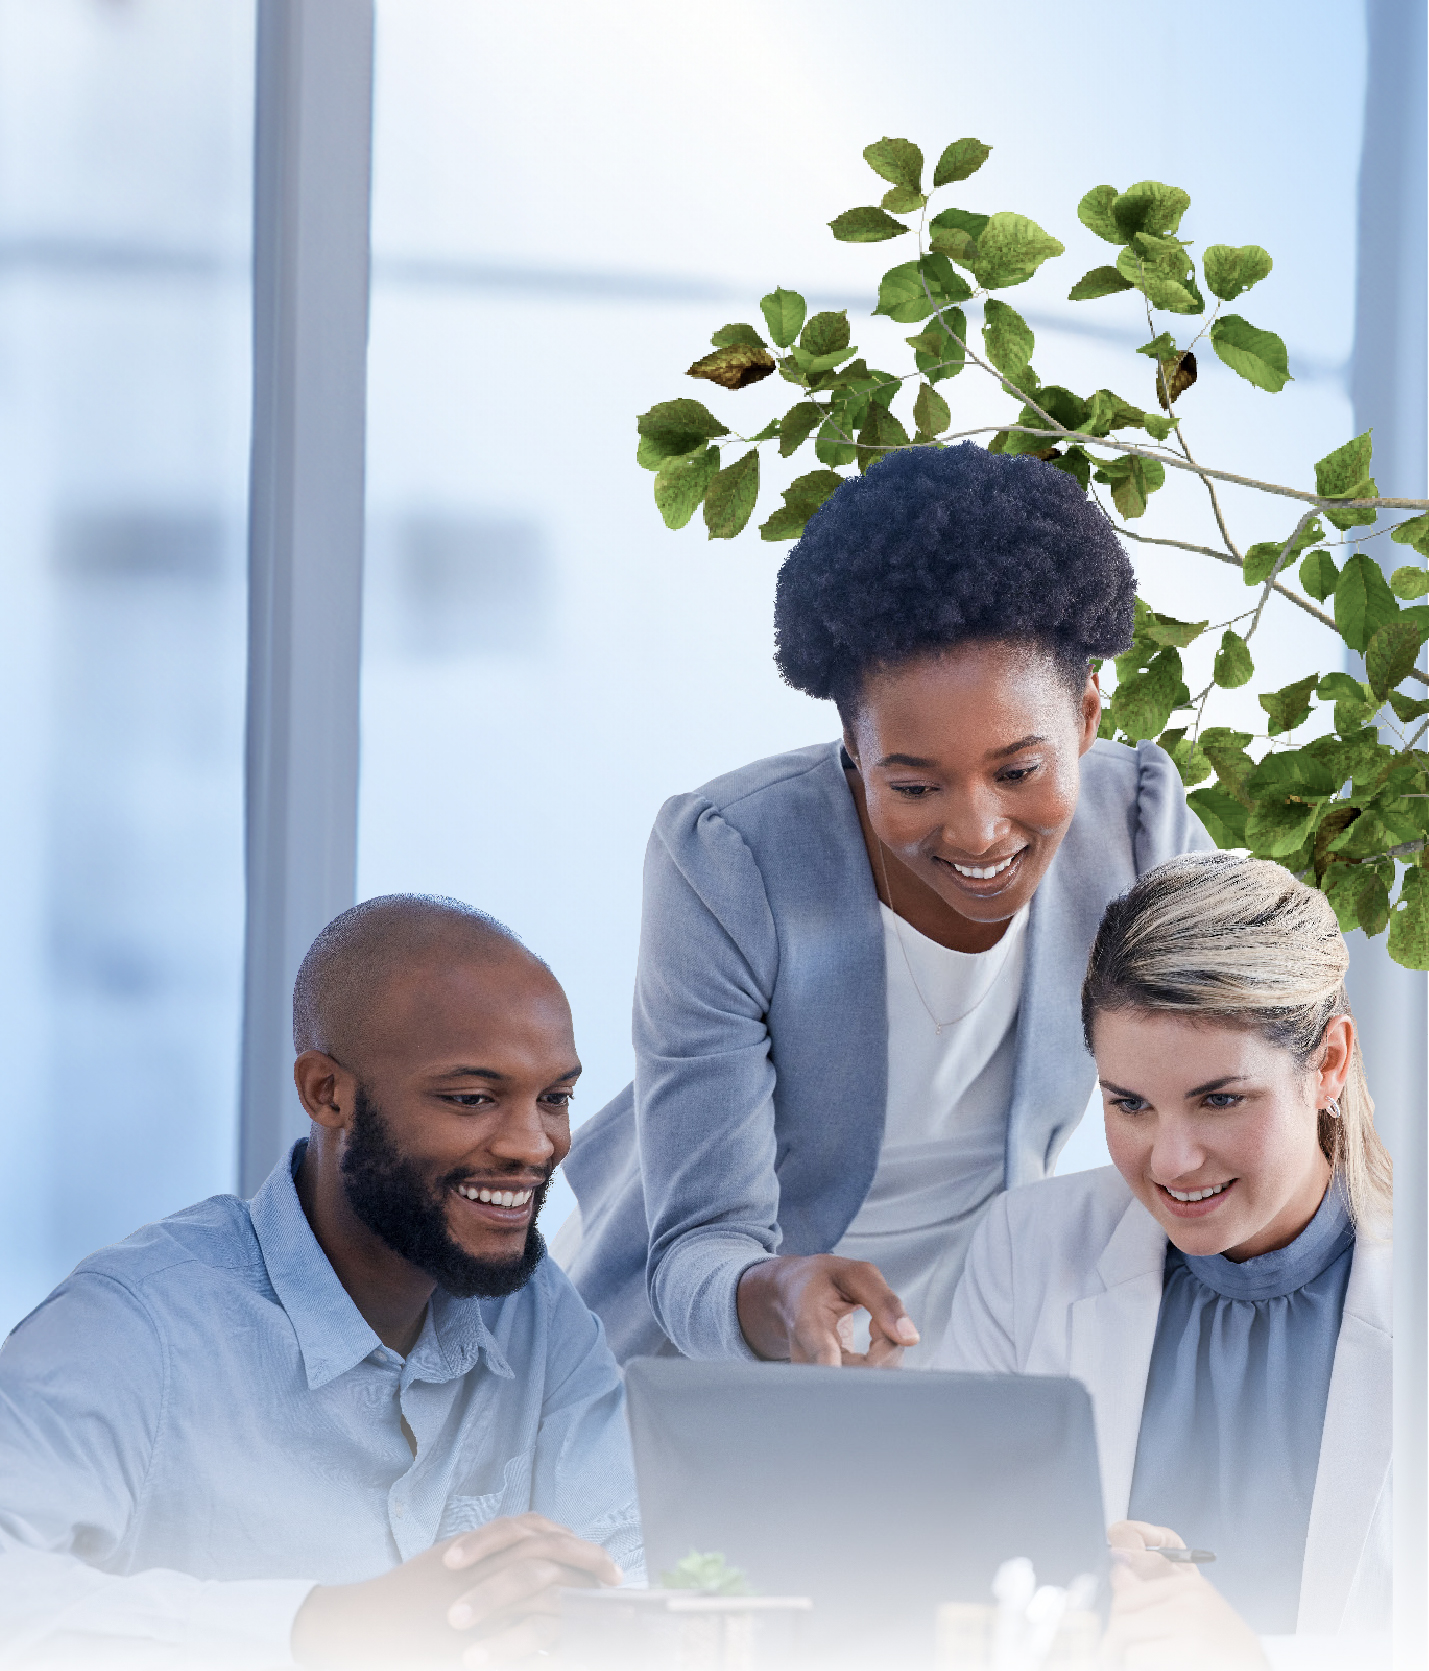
{"x":878,"y":1494}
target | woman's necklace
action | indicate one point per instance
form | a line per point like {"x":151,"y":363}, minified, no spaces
{"x":952,"y":1021}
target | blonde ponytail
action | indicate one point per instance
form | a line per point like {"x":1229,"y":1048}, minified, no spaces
{"x":1240,"y":941}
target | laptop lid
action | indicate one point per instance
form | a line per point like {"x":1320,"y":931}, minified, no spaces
{"x":879,"y":1494}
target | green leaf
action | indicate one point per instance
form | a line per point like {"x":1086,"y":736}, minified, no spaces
{"x":1359,"y":896}
{"x":1160,"y":348}
{"x":1133,"y":480}
{"x":826,"y":333}
{"x":911,"y":292}
{"x":1100,"y":281}
{"x":1149,"y":207}
{"x":1189,"y":761}
{"x":1409,"y":921}
{"x":1223,"y":816}
{"x":898,"y":161}
{"x":1363,"y":602}
{"x":649,"y":455}
{"x":1261,"y":561}
{"x":1007,"y":337}
{"x":930,"y":412}
{"x":1075,"y":462}
{"x":1391,"y":655}
{"x":1414,"y":532}
{"x":1276,"y":828}
{"x":865,"y":226}
{"x":1229,"y":272}
{"x":881,"y":431}
{"x":1409,"y":582}
{"x":1157,"y":427}
{"x":783,"y":312}
{"x":710,"y":1574}
{"x":938,"y":354}
{"x":831,"y":448}
{"x":962,"y":158}
{"x":728,"y":335}
{"x":1234,"y":666}
{"x":1166,"y":629}
{"x":1094,"y":212}
{"x":1161,"y":289}
{"x":1302,"y":773}
{"x":1010,"y":249}
{"x":729,"y":500}
{"x":1142,"y":704}
{"x":1318,"y":575}
{"x":1344,"y":474}
{"x":1107,"y":411}
{"x":900,"y":200}
{"x":1406,"y":708}
{"x":801,"y":499}
{"x":959,"y":220}
{"x":681,"y":484}
{"x":1258,"y":356}
{"x":1289,"y":706}
{"x":797,"y":425}
{"x":672,"y":427}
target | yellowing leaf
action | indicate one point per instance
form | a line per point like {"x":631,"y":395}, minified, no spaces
{"x":735,"y":367}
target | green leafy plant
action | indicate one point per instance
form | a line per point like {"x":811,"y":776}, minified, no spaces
{"x":710,"y":1574}
{"x":1347,"y":809}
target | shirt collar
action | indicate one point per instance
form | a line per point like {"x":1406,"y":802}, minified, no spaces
{"x":333,"y":1336}
{"x":1283,"y":1271}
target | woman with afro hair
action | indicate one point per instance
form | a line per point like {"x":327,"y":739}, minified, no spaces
{"x":856,"y":1007}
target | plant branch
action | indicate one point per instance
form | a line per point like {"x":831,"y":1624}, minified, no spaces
{"x":1210,"y":488}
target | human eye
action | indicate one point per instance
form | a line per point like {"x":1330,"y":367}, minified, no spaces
{"x":1129,"y":1105}
{"x":469,"y":1099}
{"x":912,"y":791}
{"x":1018,"y":774}
{"x":1223,"y":1099}
{"x":559,"y":1099}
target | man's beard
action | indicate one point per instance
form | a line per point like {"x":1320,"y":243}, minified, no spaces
{"x":389,"y":1194}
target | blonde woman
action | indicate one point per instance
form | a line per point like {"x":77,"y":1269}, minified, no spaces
{"x":1224,"y":1290}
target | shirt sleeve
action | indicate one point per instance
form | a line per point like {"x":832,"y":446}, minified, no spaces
{"x":583,"y":1476}
{"x":82,"y":1391}
{"x":979,"y":1336}
{"x":704,"y":1076}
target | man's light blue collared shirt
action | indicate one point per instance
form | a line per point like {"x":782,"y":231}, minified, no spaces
{"x":206,"y":1399}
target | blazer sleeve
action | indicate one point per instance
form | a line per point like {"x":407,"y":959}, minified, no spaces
{"x":704,"y":1077}
{"x":1165,"y":824}
{"x":980,"y":1336}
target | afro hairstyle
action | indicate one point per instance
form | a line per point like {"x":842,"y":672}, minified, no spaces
{"x":941,"y":546}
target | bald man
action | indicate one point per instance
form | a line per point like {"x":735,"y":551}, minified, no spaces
{"x":359,"y":1418}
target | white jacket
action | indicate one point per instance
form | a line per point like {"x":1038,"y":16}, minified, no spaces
{"x":1064,"y":1278}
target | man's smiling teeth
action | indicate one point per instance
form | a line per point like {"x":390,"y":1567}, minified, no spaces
{"x":495,"y":1197}
{"x":982,"y":873}
{"x":1197,"y":1194}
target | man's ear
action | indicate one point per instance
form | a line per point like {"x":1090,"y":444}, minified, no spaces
{"x":1091,"y":711}
{"x":326,"y":1088}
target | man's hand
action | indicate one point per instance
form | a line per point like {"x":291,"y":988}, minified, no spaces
{"x":1165,"y":1616}
{"x":479,"y":1599}
{"x":791,"y":1307}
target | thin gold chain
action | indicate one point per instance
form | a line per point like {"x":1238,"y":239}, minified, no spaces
{"x":938,"y":1026}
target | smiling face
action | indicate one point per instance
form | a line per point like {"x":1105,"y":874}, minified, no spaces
{"x":460,"y":1113}
{"x":969,"y":766}
{"x":1215,"y":1129}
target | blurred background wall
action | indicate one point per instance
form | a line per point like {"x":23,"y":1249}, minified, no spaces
{"x":567,"y":200}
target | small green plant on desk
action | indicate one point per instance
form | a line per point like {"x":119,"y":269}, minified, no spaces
{"x":1348,"y":810}
{"x":710,"y":1575}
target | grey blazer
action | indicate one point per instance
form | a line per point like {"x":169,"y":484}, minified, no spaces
{"x":761,"y":1033}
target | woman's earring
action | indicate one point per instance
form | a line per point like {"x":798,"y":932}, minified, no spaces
{"x":1332,"y":1108}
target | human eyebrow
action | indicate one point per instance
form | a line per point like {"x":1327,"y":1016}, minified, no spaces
{"x":1215,"y":1084}
{"x":472,"y":1073}
{"x":1120,"y":1090}
{"x":1013,"y":748}
{"x":913,"y":760}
